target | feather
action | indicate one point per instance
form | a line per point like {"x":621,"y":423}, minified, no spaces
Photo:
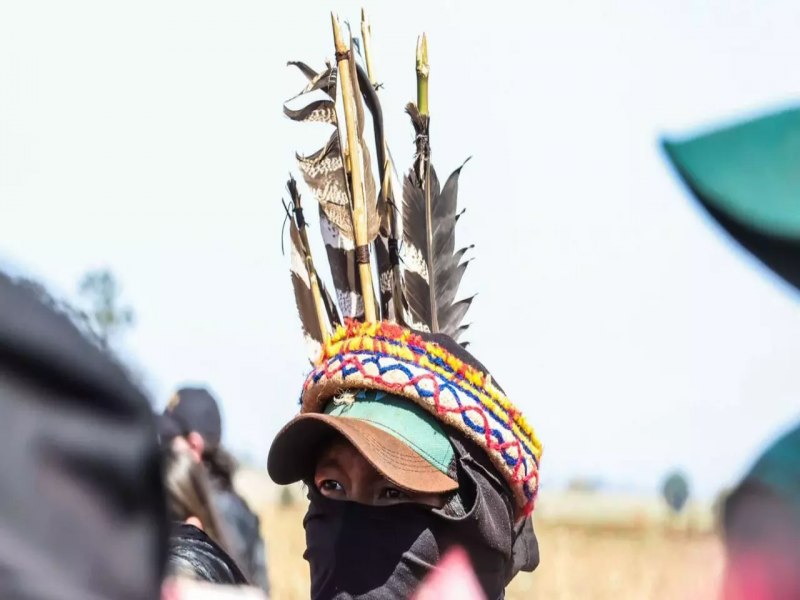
{"x":324,"y":80}
{"x":319,"y":111}
{"x":459,"y":332}
{"x":314,"y":304}
{"x":389,"y":285}
{"x":344,"y":270}
{"x":421,"y":124}
{"x":306,"y":308}
{"x":434,"y":269}
{"x":386,"y":244}
{"x":324,"y":173}
{"x":310,"y":73}
{"x":324,"y":170}
{"x":370,"y":193}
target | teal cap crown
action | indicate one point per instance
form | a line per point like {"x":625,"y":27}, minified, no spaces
{"x":401,"y":419}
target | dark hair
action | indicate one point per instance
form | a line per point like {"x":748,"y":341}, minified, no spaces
{"x":189,"y":493}
{"x":193,"y":554}
{"x":221,"y":467}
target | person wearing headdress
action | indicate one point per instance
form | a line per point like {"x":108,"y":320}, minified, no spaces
{"x":747,"y":177}
{"x":407,"y":444}
{"x":192,"y":423}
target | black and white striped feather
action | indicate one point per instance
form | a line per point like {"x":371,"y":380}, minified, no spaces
{"x":303,"y":272}
{"x":325,"y":174}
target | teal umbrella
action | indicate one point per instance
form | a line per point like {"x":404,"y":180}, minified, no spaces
{"x":748,"y":179}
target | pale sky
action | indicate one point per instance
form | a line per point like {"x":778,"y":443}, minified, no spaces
{"x":148,"y":137}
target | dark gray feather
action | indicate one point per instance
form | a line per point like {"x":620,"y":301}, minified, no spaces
{"x":434,"y":269}
{"x":302,"y":288}
{"x":324,"y":80}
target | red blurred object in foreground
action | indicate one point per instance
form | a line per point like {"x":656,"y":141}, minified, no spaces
{"x":761,"y":575}
{"x":184,"y":589}
{"x":452,"y":579}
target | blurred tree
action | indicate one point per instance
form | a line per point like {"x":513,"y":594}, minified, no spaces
{"x":584,"y":484}
{"x":676,"y":491}
{"x":102,"y":294}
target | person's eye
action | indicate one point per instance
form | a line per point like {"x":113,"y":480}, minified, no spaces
{"x":330,"y":486}
{"x":392,"y":494}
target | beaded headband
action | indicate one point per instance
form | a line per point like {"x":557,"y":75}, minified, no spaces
{"x":400,"y":238}
{"x":390,"y":358}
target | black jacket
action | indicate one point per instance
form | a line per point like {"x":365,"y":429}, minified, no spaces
{"x":242,"y":532}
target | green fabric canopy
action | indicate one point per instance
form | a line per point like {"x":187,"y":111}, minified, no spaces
{"x":748,"y":178}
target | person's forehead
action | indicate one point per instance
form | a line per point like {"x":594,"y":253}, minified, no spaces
{"x":340,"y":453}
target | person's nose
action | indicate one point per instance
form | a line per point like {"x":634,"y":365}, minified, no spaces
{"x":362,"y":483}
{"x":361,"y":493}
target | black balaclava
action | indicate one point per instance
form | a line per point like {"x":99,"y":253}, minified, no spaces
{"x":375,"y":553}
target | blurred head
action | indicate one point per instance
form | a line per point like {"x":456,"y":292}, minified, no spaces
{"x":189,"y":493}
{"x":762,"y":525}
{"x":193,"y":413}
{"x":194,"y":555}
{"x":762,"y":539}
{"x":82,"y":509}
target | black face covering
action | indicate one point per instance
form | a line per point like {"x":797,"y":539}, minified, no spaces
{"x":375,"y":553}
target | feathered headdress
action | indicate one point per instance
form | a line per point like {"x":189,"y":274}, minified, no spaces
{"x":395,"y":269}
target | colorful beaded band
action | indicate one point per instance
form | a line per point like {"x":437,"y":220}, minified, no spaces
{"x":388,"y":357}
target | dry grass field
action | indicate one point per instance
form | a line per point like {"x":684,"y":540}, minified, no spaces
{"x":580,"y":558}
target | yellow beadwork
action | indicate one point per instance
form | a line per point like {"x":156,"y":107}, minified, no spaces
{"x":364,"y":339}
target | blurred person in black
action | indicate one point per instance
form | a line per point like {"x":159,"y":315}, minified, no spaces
{"x":192,"y":421}
{"x":195,"y":555}
{"x":199,"y":569}
{"x":82,"y":510}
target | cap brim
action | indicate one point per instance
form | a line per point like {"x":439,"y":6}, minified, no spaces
{"x":296,"y":448}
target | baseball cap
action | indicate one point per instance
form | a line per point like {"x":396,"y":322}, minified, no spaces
{"x":401,"y":440}
{"x":168,"y":428}
{"x":195,"y":409}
